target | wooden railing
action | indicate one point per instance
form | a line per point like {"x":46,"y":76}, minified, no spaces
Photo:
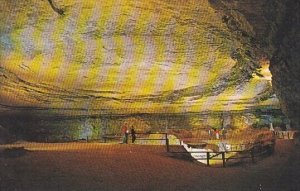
{"x":141,"y":136}
{"x":251,"y":151}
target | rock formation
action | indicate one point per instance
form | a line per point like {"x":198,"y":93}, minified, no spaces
{"x":150,"y":56}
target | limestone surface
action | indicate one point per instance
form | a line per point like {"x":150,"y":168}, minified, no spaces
{"x":134,"y":56}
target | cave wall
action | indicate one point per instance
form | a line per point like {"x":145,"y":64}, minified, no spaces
{"x":270,"y":29}
{"x":30,"y":127}
{"x":285,"y":65}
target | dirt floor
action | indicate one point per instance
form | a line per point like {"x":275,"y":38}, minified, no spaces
{"x":95,"y":166}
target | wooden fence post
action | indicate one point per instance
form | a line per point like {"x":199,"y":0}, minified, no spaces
{"x":207,"y":158}
{"x":223,"y":159}
{"x":167,"y":142}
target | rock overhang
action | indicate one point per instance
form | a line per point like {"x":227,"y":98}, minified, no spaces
{"x":130,"y":56}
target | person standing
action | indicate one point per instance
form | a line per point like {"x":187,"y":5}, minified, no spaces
{"x":126,"y":136}
{"x":223,"y":132}
{"x":217,"y":134}
{"x":124,"y":133}
{"x":133,"y":135}
{"x":209,"y":133}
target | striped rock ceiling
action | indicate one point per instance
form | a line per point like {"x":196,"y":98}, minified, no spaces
{"x":128,"y":56}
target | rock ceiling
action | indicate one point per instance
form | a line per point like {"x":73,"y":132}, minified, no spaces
{"x":129,"y":56}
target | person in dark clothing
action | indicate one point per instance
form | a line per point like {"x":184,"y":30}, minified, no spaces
{"x":133,"y":135}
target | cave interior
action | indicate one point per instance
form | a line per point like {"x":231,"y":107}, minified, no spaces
{"x":71,"y":68}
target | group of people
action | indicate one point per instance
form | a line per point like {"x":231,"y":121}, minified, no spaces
{"x":219,"y":133}
{"x":125,"y":134}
